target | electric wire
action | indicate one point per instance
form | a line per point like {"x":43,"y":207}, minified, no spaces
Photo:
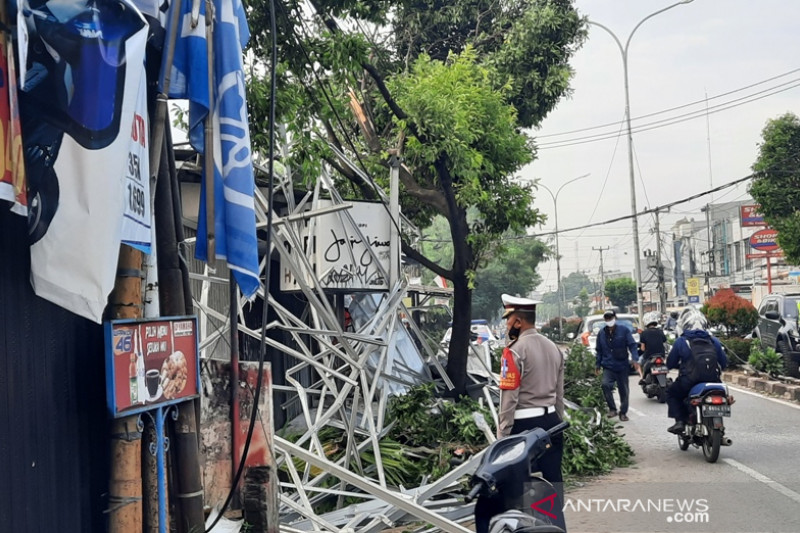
{"x":336,"y":114}
{"x":696,"y":102}
{"x":672,"y":120}
{"x":265,"y":309}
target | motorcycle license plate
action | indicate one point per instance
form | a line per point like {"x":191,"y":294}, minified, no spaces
{"x":659,"y":370}
{"x":716,"y":410}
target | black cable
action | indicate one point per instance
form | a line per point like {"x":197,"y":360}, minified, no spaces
{"x":267,"y":262}
{"x":332,"y":107}
{"x":622,"y":122}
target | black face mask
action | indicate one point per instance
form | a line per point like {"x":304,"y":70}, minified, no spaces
{"x":513,"y":333}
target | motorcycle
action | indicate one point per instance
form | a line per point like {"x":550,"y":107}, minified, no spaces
{"x":709,"y":404}
{"x":655,"y":380}
{"x":509,"y":498}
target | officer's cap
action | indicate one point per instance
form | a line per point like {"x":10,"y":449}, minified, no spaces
{"x":512,"y":304}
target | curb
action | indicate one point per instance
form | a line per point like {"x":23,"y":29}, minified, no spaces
{"x":774,"y":388}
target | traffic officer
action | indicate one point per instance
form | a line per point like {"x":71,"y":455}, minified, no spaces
{"x":532,"y":386}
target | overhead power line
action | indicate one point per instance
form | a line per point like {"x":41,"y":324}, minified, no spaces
{"x":682,"y":106}
{"x":640,"y":213}
{"x":760,"y":95}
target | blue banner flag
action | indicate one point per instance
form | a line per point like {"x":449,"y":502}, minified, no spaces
{"x":234,"y":183}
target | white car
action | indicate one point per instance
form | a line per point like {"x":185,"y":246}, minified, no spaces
{"x":592,"y":324}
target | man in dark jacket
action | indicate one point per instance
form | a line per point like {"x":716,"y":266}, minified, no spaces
{"x":692,"y":327}
{"x":613,"y":343}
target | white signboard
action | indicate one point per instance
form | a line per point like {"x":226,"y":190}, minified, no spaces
{"x":344,"y":259}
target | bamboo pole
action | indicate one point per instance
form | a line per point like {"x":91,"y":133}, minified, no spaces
{"x":125,"y":483}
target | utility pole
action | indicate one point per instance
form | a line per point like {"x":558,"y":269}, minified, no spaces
{"x":662,"y":290}
{"x":602,"y":276}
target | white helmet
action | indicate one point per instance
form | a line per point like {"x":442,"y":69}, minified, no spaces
{"x":651,"y":318}
{"x":691,"y":318}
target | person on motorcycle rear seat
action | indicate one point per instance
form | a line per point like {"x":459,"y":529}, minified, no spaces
{"x":692,"y":326}
{"x":652,"y":341}
{"x":672,"y":321}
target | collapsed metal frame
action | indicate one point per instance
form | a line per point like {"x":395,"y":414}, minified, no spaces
{"x":354,"y":372}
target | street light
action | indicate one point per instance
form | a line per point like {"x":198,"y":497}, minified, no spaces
{"x":624,"y":51}
{"x":559,"y":286}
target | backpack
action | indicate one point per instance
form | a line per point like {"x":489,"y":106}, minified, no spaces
{"x":703,"y":365}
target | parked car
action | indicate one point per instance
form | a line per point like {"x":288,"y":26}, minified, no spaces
{"x":592,"y":325}
{"x":777,"y":328}
{"x":480,"y":333}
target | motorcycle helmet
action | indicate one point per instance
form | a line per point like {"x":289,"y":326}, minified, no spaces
{"x":674,"y":315}
{"x":691,"y":318}
{"x":651,"y":319}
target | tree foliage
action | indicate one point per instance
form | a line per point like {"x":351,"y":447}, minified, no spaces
{"x":512,"y":270}
{"x":582,"y":302}
{"x":776,"y":183}
{"x":621,"y":292}
{"x":447,"y":85}
{"x":732,"y":312}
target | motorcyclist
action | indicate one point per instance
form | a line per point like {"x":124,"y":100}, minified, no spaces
{"x":652,"y":341}
{"x":672,"y":321}
{"x":692,"y":330}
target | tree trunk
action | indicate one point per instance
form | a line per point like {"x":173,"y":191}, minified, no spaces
{"x":459,"y":339}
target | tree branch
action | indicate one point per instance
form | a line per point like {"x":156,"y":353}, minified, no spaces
{"x":427,"y":263}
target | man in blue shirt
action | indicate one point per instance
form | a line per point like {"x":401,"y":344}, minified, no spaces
{"x":613,"y":344}
{"x":692,"y":326}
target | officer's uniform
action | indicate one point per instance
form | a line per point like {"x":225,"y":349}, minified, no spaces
{"x":532,"y":390}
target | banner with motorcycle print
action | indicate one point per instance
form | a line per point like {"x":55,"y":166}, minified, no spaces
{"x":83,"y":118}
{"x":12,"y":169}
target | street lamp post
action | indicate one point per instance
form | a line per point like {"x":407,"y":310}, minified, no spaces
{"x":624,"y":51}
{"x":559,"y":285}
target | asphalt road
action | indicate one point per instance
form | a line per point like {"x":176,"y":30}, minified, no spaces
{"x":753,"y":487}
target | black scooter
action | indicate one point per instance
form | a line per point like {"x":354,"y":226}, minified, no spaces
{"x":509,"y":498}
{"x":655,"y":381}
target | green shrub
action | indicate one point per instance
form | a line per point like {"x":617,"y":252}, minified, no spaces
{"x":738,"y":350}
{"x":768,"y":361}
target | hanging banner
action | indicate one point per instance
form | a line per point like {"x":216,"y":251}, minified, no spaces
{"x":12,"y":169}
{"x":150,"y":362}
{"x":78,"y":103}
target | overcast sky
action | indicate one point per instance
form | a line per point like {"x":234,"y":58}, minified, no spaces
{"x":706,"y":47}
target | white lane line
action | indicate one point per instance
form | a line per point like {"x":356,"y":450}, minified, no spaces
{"x":762,"y":396}
{"x":635,"y":411}
{"x":758,"y":476}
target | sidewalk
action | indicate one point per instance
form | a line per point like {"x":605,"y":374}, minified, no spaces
{"x":786,"y":388}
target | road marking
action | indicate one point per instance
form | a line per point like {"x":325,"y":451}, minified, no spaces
{"x":758,"y":476}
{"x":759,"y":395}
{"x":636,"y":411}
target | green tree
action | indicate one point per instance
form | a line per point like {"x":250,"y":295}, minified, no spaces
{"x":621,"y":292}
{"x":447,"y":85}
{"x":582,"y":303}
{"x":511,"y":271}
{"x":776,"y":183}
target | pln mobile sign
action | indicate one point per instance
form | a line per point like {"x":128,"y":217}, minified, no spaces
{"x":765,"y":240}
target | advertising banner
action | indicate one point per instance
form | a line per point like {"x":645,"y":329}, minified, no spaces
{"x":765,"y":240}
{"x":693,"y":289}
{"x":150,"y":362}
{"x":79,"y":100}
{"x":749,"y":216}
{"x":12,"y":168}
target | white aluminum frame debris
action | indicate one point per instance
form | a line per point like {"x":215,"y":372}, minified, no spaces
{"x":355,"y":373}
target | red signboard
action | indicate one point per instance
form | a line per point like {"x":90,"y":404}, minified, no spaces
{"x":772,"y":255}
{"x":150,"y":363}
{"x":750,"y":216}
{"x":765,"y":240}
